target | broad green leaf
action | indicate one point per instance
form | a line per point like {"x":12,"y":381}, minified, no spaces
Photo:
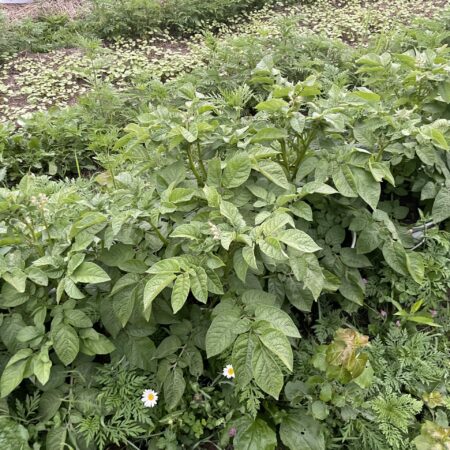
{"x":269,"y":134}
{"x":65,"y":342}
{"x":123,"y":304}
{"x":273,"y":172}
{"x":233,"y":215}
{"x":168,"y":347}
{"x":395,"y":256}
{"x":14,"y":372}
{"x":248,"y":253}
{"x":180,"y":292}
{"x":174,"y":387}
{"x":221,"y":333}
{"x":441,"y":205}
{"x":241,"y":358}
{"x":187,"y":230}
{"x":240,"y":266}
{"x":154,"y":286}
{"x":199,"y":284}
{"x":255,"y":435}
{"x":272,"y":248}
{"x":274,"y":340}
{"x":42,"y":366}
{"x":237,"y":171}
{"x":88,"y":220}
{"x":17,"y":279}
{"x":352,"y":259}
{"x":300,"y":431}
{"x":298,"y":240}
{"x":89,"y":272}
{"x":268,"y":376}
{"x":416,"y":266}
{"x":368,"y":189}
{"x":272,"y":105}
{"x":278,"y":319}
{"x":56,"y":439}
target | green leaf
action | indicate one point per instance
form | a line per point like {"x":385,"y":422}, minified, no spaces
{"x":416,"y":266}
{"x":273,"y":172}
{"x":221,"y":334}
{"x":278,"y":319}
{"x":56,"y":439}
{"x":65,"y":342}
{"x":88,"y":220}
{"x":122,"y":305}
{"x":89,"y":272}
{"x":14,"y":372}
{"x":272,"y":248}
{"x":272,"y":105}
{"x":174,"y":387}
{"x":254,"y":435}
{"x":351,"y":259}
{"x":300,"y":431}
{"x":154,"y":286}
{"x":237,"y":171}
{"x":17,"y":279}
{"x":298,"y":240}
{"x":269,"y":134}
{"x":366,"y":186}
{"x":267,"y":374}
{"x":199,"y":284}
{"x":395,"y":256}
{"x":180,"y":292}
{"x":441,"y":206}
{"x":233,"y":215}
{"x":277,"y":343}
{"x":241,"y":358}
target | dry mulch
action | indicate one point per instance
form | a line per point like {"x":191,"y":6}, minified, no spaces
{"x":70,"y":8}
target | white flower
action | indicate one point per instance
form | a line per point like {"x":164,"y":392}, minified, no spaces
{"x":149,"y":398}
{"x":228,"y":371}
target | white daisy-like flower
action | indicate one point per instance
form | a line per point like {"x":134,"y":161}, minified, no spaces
{"x":149,"y":398}
{"x":228,"y":371}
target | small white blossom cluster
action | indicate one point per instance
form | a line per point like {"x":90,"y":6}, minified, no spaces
{"x":40,"y":201}
{"x":214,"y":231}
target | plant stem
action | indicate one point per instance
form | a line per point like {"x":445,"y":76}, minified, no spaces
{"x":284,"y":155}
{"x":200,"y":160}
{"x":193,"y":168}
{"x":158,"y":233}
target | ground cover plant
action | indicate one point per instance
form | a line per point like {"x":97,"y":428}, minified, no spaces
{"x":252,"y":255}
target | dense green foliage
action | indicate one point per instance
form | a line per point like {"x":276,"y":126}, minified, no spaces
{"x":283,"y":209}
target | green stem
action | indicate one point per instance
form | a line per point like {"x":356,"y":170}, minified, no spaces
{"x":200,"y":160}
{"x":193,"y":168}
{"x":284,"y":155}
{"x":158,"y":233}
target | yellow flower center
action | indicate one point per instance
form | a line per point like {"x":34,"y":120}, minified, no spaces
{"x":230,"y":371}
{"x":150,"y":397}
